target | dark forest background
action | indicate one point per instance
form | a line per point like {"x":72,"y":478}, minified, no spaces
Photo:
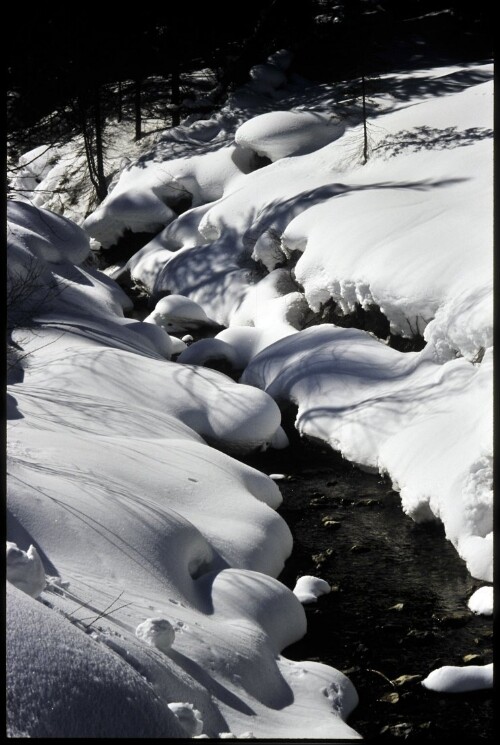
{"x":70,"y":70}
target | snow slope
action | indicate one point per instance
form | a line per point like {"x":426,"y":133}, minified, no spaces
{"x":135,"y":517}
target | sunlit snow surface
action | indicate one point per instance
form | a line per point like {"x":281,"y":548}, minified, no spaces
{"x":308,"y":589}
{"x":481,"y":601}
{"x":454,"y":679}
{"x":160,"y":549}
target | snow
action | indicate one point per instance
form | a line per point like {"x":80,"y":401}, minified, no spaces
{"x":143,"y":557}
{"x":25,"y":569}
{"x":308,"y":589}
{"x":481,"y":602}
{"x":454,"y":679}
{"x":280,"y":134}
{"x":189,"y":718}
{"x":158,"y":632}
{"x":177,"y":314}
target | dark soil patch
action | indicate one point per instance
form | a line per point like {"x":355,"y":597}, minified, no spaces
{"x":398,"y":605}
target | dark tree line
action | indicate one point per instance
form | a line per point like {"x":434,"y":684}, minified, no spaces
{"x":74,"y":69}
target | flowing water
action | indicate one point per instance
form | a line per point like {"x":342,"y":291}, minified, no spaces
{"x":398,"y":605}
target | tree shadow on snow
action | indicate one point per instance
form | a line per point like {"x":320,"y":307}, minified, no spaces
{"x":428,"y":138}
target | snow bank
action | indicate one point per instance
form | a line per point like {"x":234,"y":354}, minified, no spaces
{"x":60,"y":681}
{"x":147,"y":196}
{"x":49,"y":237}
{"x":346,"y":259}
{"x":161,"y":551}
{"x":428,"y":425}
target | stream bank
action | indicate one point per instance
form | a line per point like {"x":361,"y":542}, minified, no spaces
{"x":398,"y":605}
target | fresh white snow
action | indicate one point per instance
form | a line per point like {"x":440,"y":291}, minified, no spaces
{"x":481,"y":602}
{"x":158,"y":612}
{"x":308,"y":589}
{"x":454,"y":679}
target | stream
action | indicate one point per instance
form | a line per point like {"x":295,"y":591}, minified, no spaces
{"x":398,"y":605}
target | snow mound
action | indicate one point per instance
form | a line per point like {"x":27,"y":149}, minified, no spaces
{"x":281,"y":134}
{"x":178,"y":314}
{"x":308,"y":589}
{"x":452,"y":679}
{"x":158,"y":632}
{"x":189,"y":718}
{"x":62,"y":683}
{"x":481,"y":602}
{"x":49,"y":237}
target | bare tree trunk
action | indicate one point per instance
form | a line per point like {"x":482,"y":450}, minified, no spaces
{"x":119,"y":100}
{"x":176,"y":94}
{"x":137,"y":108}
{"x":88,"y":130}
{"x":365,"y":133}
{"x":99,"y":153}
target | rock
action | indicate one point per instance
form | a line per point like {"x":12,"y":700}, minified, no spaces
{"x":359,"y":548}
{"x":367,"y":503}
{"x":404,"y":729}
{"x":419,"y":636}
{"x":351,"y":670}
{"x":326,"y":518}
{"x":390,"y":698}
{"x":473,"y":659}
{"x":331,"y":524}
{"x":454,"y":619}
{"x":323,"y":556}
{"x":404,"y":680}
{"x":398,"y":606}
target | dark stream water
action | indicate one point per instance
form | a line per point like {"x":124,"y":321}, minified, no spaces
{"x":398,"y":606}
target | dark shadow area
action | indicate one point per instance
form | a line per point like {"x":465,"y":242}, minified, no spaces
{"x":210,"y":271}
{"x":247,"y":160}
{"x":12,"y":410}
{"x":410,"y":88}
{"x":126,"y":246}
{"x":369,"y":319}
{"x":229,"y":253}
{"x":18,"y":534}
{"x":206,"y":680}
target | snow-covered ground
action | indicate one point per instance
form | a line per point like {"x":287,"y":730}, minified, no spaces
{"x":161,"y":614}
